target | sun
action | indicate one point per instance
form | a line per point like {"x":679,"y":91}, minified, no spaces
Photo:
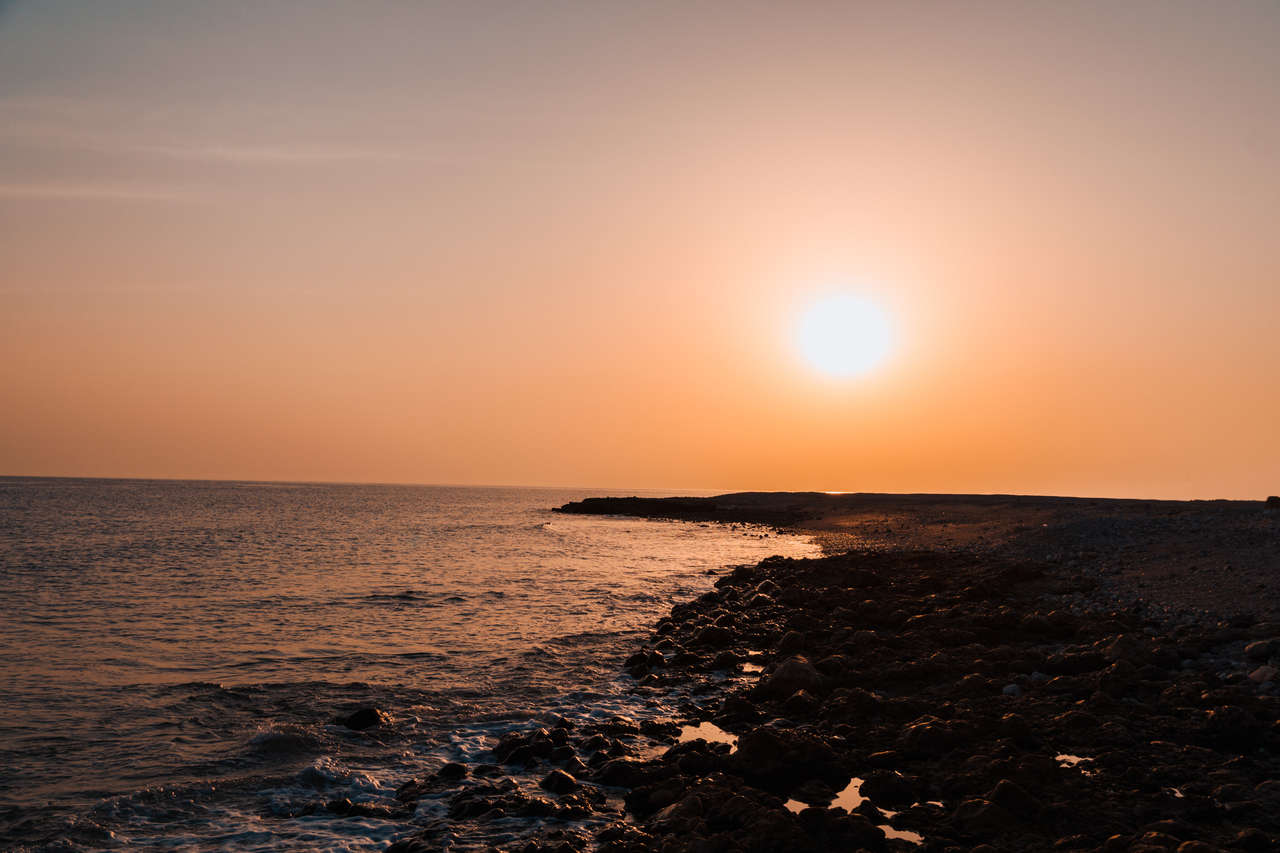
{"x":844,"y":335}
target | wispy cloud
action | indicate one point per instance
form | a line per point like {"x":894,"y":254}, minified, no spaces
{"x":280,"y":154}
{"x":75,"y":125}
{"x":91,"y":192}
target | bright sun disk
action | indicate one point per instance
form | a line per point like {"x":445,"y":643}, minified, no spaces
{"x":844,"y":335}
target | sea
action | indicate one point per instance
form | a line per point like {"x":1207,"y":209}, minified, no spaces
{"x":174,"y":655}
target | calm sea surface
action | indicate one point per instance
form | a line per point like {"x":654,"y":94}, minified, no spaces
{"x":175,"y":653}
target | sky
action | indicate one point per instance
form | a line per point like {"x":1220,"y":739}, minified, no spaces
{"x":570,"y":243}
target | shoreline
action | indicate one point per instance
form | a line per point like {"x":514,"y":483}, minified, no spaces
{"x":955,"y":672}
{"x":1206,"y":557}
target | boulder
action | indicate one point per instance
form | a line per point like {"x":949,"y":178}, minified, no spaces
{"x":1260,"y":650}
{"x":792,"y":641}
{"x":889,"y":789}
{"x":801,"y":705}
{"x":777,"y":759}
{"x":982,"y":817}
{"x":364,"y":718}
{"x":1263,"y":674}
{"x":714,"y":636}
{"x":1015,"y":799}
{"x":793,"y":674}
{"x":452,"y":770}
{"x":558,"y":782}
{"x":928,"y":737}
{"x":726,"y":659}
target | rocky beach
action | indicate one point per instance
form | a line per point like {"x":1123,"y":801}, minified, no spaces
{"x":957,"y":673}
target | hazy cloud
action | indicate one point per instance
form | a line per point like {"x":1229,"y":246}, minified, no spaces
{"x":83,"y":125}
{"x":90,"y":192}
{"x":283,"y":155}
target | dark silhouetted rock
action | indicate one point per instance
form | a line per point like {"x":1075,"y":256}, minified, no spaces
{"x":559,"y":782}
{"x":791,"y":675}
{"x":982,"y":817}
{"x":452,"y":770}
{"x":1015,"y":799}
{"x":714,"y":636}
{"x":726,"y":660}
{"x":791,"y":642}
{"x":626,"y":772}
{"x":801,"y":704}
{"x":364,"y":718}
{"x":889,"y":789}
{"x":1260,"y":650}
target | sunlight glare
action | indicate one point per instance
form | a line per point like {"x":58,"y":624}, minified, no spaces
{"x":844,"y":335}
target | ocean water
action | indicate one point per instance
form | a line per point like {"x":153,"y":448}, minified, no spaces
{"x":175,"y":654}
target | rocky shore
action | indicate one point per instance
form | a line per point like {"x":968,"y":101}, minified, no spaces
{"x":960,"y":674}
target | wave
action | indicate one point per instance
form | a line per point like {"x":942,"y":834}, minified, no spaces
{"x":283,"y":740}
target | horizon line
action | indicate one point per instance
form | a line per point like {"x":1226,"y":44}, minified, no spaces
{"x":672,"y":492}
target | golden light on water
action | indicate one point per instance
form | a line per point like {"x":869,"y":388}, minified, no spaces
{"x":844,"y":335}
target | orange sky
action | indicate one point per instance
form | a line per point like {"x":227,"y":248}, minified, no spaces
{"x":567,"y":243}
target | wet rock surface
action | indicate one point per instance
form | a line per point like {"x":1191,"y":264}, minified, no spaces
{"x":932,"y":699}
{"x":363,"y":718}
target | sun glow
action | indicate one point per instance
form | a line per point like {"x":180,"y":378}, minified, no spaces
{"x":844,"y":335}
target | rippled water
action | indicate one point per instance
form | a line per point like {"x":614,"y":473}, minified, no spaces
{"x":175,"y":653}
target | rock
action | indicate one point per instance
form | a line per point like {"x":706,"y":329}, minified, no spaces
{"x":1074,"y":664}
{"x":714,"y":636}
{"x":814,"y":792}
{"x":1196,"y":847}
{"x":927,"y":737}
{"x":596,"y":742}
{"x":1118,"y":678}
{"x":452,"y":770}
{"x":344,"y":806}
{"x":621,"y":837}
{"x":659,"y":728}
{"x":726,"y":659}
{"x":885,"y":758}
{"x":558,"y":782}
{"x":1260,"y":650}
{"x":1117,"y":843}
{"x":776,"y":759}
{"x":364,"y":718}
{"x":1263,"y":674}
{"x":1231,"y":726}
{"x":1015,"y":726}
{"x":1252,"y":840}
{"x":414,"y":789}
{"x":1015,"y":799}
{"x":1012,"y":690}
{"x":982,"y":817}
{"x":792,"y":641}
{"x":888,"y":789}
{"x":1156,"y":841}
{"x":640,"y":658}
{"x":836,"y":666}
{"x":575,"y":767}
{"x":793,"y":674}
{"x":1125,"y":647}
{"x":801,"y":705}
{"x":973,"y":685}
